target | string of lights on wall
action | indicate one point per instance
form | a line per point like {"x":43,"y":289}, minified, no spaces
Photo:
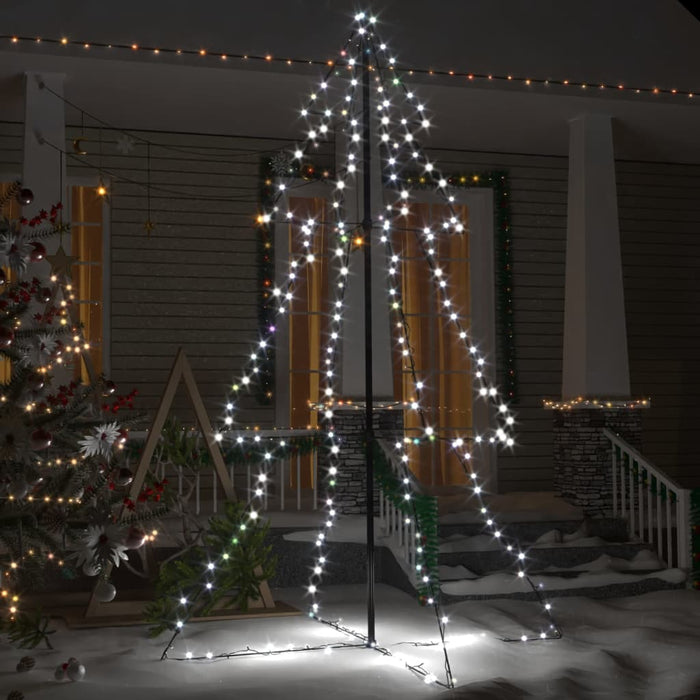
{"x":464,"y":77}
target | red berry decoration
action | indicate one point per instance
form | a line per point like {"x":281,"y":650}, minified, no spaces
{"x":41,"y":439}
{"x":38,"y":252}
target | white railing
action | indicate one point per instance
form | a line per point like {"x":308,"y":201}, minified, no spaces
{"x":656,"y":507}
{"x":284,"y":482}
{"x":395,"y":525}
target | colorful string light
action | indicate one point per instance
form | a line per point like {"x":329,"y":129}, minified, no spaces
{"x":466,"y":78}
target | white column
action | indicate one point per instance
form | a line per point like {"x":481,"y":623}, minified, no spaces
{"x":595,"y":337}
{"x":353,"y":346}
{"x":44,"y":120}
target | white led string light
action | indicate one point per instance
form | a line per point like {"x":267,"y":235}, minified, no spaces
{"x":509,"y":544}
{"x":284,"y":296}
{"x":503,"y":434}
{"x":399,"y":140}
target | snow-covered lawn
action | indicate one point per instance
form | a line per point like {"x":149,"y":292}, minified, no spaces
{"x":640,"y":647}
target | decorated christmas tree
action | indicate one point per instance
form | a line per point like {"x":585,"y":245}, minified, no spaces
{"x":62,"y":469}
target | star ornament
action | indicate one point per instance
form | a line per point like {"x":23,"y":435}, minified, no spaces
{"x":125,"y":144}
{"x":61,"y":263}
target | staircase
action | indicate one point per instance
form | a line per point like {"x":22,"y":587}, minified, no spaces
{"x":566,"y":554}
{"x":593,"y":558}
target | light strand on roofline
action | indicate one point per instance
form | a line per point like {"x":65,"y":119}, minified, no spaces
{"x":471,"y":77}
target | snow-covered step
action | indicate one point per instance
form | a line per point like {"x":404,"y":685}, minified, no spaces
{"x":605,"y":583}
{"x":482,"y":555}
{"x":609,"y":529}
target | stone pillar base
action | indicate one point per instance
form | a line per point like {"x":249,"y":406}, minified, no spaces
{"x":583,"y":455}
{"x":351,"y":480}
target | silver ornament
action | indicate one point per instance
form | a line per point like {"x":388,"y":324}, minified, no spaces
{"x":104,"y":592}
{"x":75,"y":670}
{"x":60,"y":673}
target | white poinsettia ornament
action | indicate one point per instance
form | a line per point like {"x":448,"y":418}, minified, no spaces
{"x":44,"y":345}
{"x":14,"y":250}
{"x":100,"y":441}
{"x":100,"y":545}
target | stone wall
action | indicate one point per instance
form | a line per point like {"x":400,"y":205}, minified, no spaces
{"x":583,"y":455}
{"x":351,"y":480}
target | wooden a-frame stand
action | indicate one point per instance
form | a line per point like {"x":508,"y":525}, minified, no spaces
{"x":130,"y":611}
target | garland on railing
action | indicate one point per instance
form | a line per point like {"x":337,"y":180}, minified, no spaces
{"x":250,"y":451}
{"x":695,"y":537}
{"x":640,"y":480}
{"x":663,"y":493}
{"x":421,"y":507}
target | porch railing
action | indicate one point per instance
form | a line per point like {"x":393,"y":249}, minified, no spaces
{"x":657,"y":508}
{"x":400,"y":530}
{"x":284,"y":483}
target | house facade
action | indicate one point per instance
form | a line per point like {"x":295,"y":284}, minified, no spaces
{"x":178,"y":141}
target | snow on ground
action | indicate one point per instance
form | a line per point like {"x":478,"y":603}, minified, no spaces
{"x":639,"y":647}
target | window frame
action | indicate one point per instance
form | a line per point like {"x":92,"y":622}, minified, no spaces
{"x":93,"y":181}
{"x":480,"y":206}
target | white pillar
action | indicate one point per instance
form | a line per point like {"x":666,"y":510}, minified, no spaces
{"x":353,"y":345}
{"x":44,"y":121}
{"x":595,"y":337}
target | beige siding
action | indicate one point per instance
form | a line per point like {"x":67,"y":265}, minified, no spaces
{"x":659,"y":210}
{"x":660,"y":227}
{"x":11,"y":148}
{"x":193,"y":281}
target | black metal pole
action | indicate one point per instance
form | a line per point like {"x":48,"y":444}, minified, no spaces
{"x":369,"y":428}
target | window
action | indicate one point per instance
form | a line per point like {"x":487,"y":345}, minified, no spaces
{"x":440,"y":357}
{"x":87,"y":234}
{"x":10,"y":210}
{"x":86,"y":212}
